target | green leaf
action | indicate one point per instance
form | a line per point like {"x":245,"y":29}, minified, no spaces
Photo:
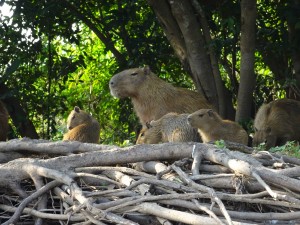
{"x":10,"y":69}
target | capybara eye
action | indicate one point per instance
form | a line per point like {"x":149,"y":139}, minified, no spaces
{"x":200,"y":115}
{"x":133,"y":74}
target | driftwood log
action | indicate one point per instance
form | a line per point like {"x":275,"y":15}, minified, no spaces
{"x":44,"y":182}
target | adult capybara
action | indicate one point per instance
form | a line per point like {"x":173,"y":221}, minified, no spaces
{"x":172,"y":127}
{"x":4,"y":127}
{"x":277,"y":122}
{"x":82,"y":127}
{"x":152,"y":97}
{"x":212,"y":127}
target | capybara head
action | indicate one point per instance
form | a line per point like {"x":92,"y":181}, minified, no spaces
{"x":265,"y":136}
{"x":203,"y":118}
{"x":150,"y":134}
{"x":77,"y":117}
{"x":261,"y":127}
{"x":128,"y":82}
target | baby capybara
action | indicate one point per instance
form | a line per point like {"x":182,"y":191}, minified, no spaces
{"x":212,"y":127}
{"x":82,"y":127}
{"x":172,"y":127}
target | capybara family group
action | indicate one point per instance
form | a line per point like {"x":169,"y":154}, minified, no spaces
{"x":173,"y":114}
{"x":164,"y":110}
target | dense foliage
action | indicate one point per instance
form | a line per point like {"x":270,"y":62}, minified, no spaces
{"x":57,"y":62}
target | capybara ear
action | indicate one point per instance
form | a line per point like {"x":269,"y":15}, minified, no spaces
{"x":77,"y":109}
{"x":210,"y":112}
{"x":148,"y":125}
{"x":153,"y":123}
{"x":146,"y":70}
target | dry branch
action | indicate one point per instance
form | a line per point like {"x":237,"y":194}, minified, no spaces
{"x":108,"y":184}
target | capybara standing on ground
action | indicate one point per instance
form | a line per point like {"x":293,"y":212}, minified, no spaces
{"x":152,"y":97}
{"x":82,"y":127}
{"x":172,"y":127}
{"x":277,"y":122}
{"x":212,"y":127}
{"x":4,"y":127}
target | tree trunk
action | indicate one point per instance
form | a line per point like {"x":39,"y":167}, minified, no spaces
{"x":295,"y":49}
{"x":247,"y":76}
{"x":225,"y":106}
{"x":169,"y":25}
{"x":18,"y":115}
{"x":181,"y":25}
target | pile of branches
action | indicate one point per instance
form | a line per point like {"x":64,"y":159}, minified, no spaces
{"x":44,"y":182}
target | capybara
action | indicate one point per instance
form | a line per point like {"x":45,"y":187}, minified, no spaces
{"x":82,"y":127}
{"x":152,"y":97}
{"x":277,"y":122}
{"x":212,"y":127}
{"x":172,"y":127}
{"x":149,"y":135}
{"x":4,"y":127}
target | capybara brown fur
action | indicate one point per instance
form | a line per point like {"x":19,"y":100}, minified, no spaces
{"x":4,"y":127}
{"x":172,"y":127}
{"x":152,"y":97}
{"x":82,"y":127}
{"x":212,"y":127}
{"x":277,"y":122}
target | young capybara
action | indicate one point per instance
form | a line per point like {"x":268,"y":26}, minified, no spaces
{"x":149,"y":135}
{"x":152,"y":97}
{"x":4,"y":127}
{"x":212,"y":127}
{"x":277,"y":122}
{"x":172,"y":127}
{"x":82,"y":127}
